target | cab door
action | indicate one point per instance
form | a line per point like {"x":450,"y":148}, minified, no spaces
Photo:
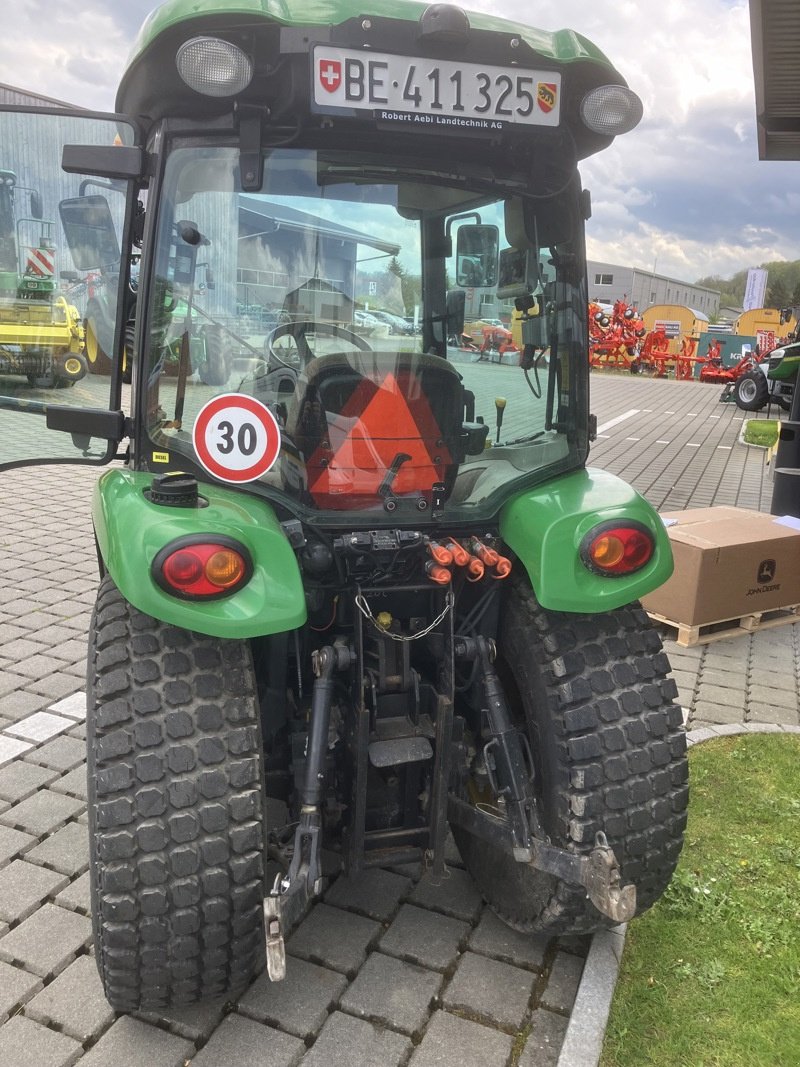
{"x":68,"y":190}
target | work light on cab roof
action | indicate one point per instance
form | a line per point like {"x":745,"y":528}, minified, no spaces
{"x":214,"y":67}
{"x":611,"y":110}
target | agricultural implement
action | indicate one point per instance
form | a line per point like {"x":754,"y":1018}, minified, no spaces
{"x":615,"y":340}
{"x":41,"y":336}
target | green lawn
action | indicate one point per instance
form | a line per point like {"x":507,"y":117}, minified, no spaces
{"x":762,"y":432}
{"x":710,"y":976}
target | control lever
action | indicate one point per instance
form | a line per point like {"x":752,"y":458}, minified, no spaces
{"x":500,"y":407}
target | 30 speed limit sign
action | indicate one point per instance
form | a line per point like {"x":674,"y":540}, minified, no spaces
{"x":236,"y":438}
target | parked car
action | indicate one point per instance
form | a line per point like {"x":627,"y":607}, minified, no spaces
{"x":396,"y":323}
{"x":367,"y":324}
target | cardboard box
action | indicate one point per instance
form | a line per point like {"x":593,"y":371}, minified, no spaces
{"x":729,"y":562}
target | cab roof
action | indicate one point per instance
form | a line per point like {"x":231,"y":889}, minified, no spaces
{"x":563,"y":46}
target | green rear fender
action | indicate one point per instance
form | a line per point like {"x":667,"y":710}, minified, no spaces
{"x":131,"y":531}
{"x":546,"y":525}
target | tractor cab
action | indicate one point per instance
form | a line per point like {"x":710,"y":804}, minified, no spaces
{"x":283,"y":187}
{"x":363,"y":572}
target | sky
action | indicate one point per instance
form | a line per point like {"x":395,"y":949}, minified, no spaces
{"x":683,"y":195}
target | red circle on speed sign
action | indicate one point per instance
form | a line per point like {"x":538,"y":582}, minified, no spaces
{"x":236,"y":437}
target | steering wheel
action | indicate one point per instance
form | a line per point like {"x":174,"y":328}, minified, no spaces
{"x":299,"y":330}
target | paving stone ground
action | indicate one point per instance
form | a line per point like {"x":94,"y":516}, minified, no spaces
{"x":389,"y":969}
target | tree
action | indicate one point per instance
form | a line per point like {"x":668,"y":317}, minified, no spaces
{"x":779,"y":294}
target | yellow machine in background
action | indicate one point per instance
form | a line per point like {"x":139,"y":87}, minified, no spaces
{"x":41,"y":334}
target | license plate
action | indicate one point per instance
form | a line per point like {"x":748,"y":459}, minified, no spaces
{"x":434,"y":91}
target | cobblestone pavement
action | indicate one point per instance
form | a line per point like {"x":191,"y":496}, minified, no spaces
{"x":392,"y":969}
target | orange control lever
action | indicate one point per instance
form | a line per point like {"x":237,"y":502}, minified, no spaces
{"x":485,"y":554}
{"x":475,"y":569}
{"x":460,"y":555}
{"x":502,"y":567}
{"x":440,"y":554}
{"x":437,"y":573}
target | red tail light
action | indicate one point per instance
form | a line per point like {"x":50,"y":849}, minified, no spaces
{"x":202,"y":570}
{"x":616,"y":549}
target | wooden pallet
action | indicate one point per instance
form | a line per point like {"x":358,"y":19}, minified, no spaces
{"x":688,"y":636}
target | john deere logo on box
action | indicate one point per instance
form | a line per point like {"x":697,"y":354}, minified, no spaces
{"x":766,"y":571}
{"x":765,"y":576}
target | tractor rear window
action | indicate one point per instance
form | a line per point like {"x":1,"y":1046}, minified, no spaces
{"x":351,"y":337}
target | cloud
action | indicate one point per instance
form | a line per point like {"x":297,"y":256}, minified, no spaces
{"x":686,"y":186}
{"x":70,"y":53}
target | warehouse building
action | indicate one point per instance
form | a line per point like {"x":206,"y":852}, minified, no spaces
{"x":644,"y":288}
{"x":21,"y":97}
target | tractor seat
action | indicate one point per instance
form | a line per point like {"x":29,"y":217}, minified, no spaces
{"x":376,"y":426}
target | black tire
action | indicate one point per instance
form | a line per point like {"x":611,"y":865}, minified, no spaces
{"x":96,"y":340}
{"x":751,"y":391}
{"x":175,"y":773}
{"x":50,"y":381}
{"x":216,"y":367}
{"x":609,"y":751}
{"x":127,"y":352}
{"x":73,"y":369}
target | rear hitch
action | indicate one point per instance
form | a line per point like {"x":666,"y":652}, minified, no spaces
{"x":292,"y":892}
{"x":598,"y":873}
{"x":514,"y":825}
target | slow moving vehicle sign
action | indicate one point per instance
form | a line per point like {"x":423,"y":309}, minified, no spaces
{"x":433,"y":92}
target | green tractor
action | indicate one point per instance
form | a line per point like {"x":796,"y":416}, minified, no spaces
{"x":770,"y":380}
{"x":365,"y":591}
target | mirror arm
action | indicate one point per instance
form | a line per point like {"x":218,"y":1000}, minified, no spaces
{"x":89,"y":422}
{"x":461,"y":218}
{"x":105,"y":161}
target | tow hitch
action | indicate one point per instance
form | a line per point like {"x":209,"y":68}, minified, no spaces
{"x":598,"y":873}
{"x":292,"y":892}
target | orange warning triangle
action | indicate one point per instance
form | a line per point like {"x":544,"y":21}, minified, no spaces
{"x":380,"y":423}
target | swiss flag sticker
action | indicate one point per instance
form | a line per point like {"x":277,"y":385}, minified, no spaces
{"x":330,"y":74}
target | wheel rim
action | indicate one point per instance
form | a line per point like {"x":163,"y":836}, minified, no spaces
{"x":72,"y":366}
{"x":90,"y":342}
{"x":747,"y":390}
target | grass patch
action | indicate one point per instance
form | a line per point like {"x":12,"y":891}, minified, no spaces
{"x":710,"y":976}
{"x":762,"y":432}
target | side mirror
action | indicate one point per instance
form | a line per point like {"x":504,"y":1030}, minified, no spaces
{"x":477,"y":248}
{"x":90,"y":232}
{"x":37,"y":211}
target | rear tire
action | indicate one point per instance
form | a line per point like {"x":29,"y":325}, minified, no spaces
{"x":127,"y":352}
{"x":95,"y":340}
{"x":609,"y":751}
{"x":175,"y":773}
{"x":750,"y":391}
{"x":216,"y":368}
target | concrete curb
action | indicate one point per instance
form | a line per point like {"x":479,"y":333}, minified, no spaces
{"x":583,"y":1041}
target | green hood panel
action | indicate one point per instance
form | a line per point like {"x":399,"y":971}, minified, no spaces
{"x":546,"y":525}
{"x":131,"y":531}
{"x":786,"y":369}
{"x":563,"y":46}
